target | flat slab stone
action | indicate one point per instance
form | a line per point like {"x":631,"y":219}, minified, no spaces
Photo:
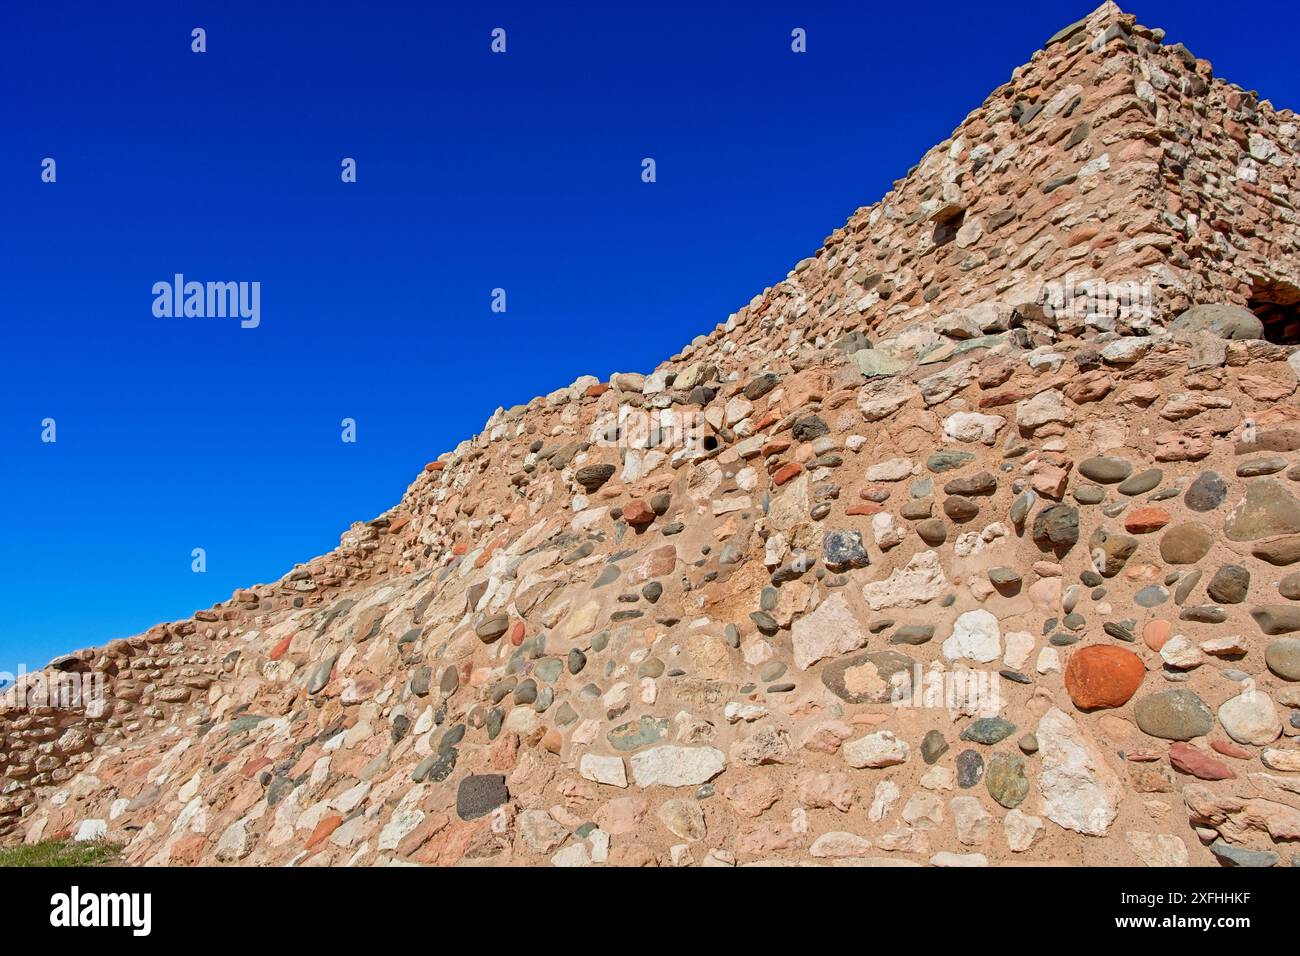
{"x":479,"y":794}
{"x":672,"y":766}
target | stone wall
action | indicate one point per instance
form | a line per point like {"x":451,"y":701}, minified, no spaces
{"x":857,"y":418}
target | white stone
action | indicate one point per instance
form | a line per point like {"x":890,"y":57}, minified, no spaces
{"x":939,"y":778}
{"x":1157,"y":849}
{"x":1045,"y":407}
{"x":881,"y":749}
{"x":973,"y":427}
{"x":946,"y":858}
{"x":971,"y":820}
{"x":882,"y":397}
{"x":672,"y":766}
{"x":887,"y":794}
{"x":1022,"y":830}
{"x":575,"y":854}
{"x":91,"y":830}
{"x":1019,"y":645}
{"x":895,"y":469}
{"x":839,"y":843}
{"x":1181,"y":653}
{"x":1251,"y":718}
{"x":829,"y":631}
{"x":1276,"y":758}
{"x":402,"y":822}
{"x":924,"y":811}
{"x":886,"y":531}
{"x":1079,"y":791}
{"x":602,"y":769}
{"x":234,"y":843}
{"x":599,"y":841}
{"x":920,"y":581}
{"x":975,"y":636}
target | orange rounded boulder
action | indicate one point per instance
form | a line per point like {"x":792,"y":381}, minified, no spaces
{"x":1103,"y":676}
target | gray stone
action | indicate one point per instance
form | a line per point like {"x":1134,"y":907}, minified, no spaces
{"x":1268,"y":509}
{"x":873,"y":677}
{"x":970,"y":769}
{"x":591,"y":477}
{"x":933,"y":746}
{"x":1206,"y":493}
{"x":988,"y":730}
{"x":1225,"y":321}
{"x":1006,"y":779}
{"x":1277,"y":618}
{"x":1057,"y":527}
{"x":842,"y":550}
{"x":1106,"y":470}
{"x":480,"y":794}
{"x":1142,"y":482}
{"x":1283,"y":658}
{"x":912,"y":634}
{"x":1242,"y":856}
{"x":1230,"y":584}
{"x":1173,"y":715}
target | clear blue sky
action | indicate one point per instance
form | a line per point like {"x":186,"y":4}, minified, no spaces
{"x":475,"y":171}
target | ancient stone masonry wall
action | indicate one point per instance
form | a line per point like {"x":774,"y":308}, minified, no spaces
{"x":52,"y":720}
{"x":1231,"y":178}
{"x":695,"y":616}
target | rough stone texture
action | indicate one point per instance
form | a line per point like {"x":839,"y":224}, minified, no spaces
{"x":1103,"y":676}
{"x":1079,"y":791}
{"x":830,"y":631}
{"x":627,"y":594}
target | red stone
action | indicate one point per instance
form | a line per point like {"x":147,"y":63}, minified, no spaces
{"x":398,"y":524}
{"x":1156,"y":633}
{"x":774,"y":447}
{"x":1146,"y":520}
{"x":1082,"y":234}
{"x":517,"y":634}
{"x":1142,"y":756}
{"x":1229,"y":749}
{"x":637,"y":513}
{"x":595,"y":391}
{"x":787,"y":471}
{"x":867,"y":508}
{"x":435,"y":466}
{"x":1188,"y":759}
{"x":877,"y":493}
{"x":281,"y":649}
{"x":188,"y":850}
{"x":1103,"y":676}
{"x":323,"y":830}
{"x":1007,"y":396}
{"x":250,"y":768}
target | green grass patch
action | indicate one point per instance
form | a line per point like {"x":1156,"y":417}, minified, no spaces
{"x":60,"y":853}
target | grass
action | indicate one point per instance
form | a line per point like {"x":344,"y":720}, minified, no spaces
{"x":60,"y":853}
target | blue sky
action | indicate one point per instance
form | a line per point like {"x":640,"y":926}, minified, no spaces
{"x":475,"y":171}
